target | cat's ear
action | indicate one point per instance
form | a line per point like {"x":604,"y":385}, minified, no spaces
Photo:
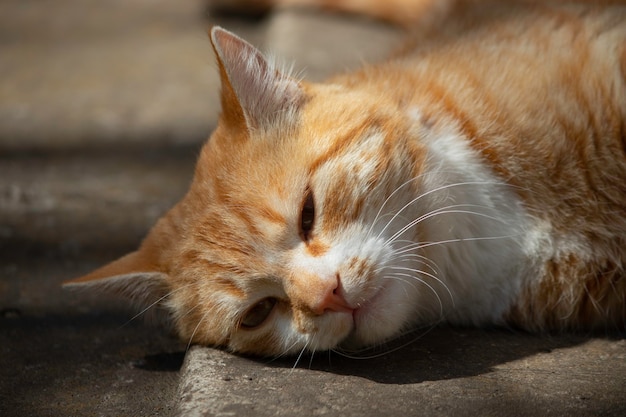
{"x":134,"y":277}
{"x":254,"y":92}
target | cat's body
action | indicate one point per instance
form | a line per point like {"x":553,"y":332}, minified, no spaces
{"x":478,"y":178}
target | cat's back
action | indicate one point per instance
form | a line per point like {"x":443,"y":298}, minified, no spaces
{"x":518,"y":53}
{"x":539,"y":92}
{"x":512,"y":66}
{"x":525,"y":74}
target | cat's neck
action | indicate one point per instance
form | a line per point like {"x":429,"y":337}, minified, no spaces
{"x":472,"y":229}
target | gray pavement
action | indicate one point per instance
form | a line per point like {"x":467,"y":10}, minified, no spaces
{"x":103,"y":107}
{"x":444,"y":373}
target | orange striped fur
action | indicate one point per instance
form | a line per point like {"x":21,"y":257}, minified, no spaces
{"x":477,"y":178}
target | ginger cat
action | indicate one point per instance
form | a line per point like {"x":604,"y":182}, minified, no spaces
{"x":478,"y":178}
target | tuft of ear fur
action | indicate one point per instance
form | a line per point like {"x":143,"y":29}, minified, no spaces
{"x":254,"y":92}
{"x":132,"y":276}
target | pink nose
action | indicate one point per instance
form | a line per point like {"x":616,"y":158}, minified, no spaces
{"x":332,"y":300}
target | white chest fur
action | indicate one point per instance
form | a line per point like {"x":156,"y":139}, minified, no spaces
{"x":475,"y":231}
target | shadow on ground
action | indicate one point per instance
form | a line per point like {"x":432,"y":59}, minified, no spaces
{"x":68,"y":364}
{"x":440,"y":354}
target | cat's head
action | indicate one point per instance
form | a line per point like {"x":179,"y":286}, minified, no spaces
{"x":289,"y":235}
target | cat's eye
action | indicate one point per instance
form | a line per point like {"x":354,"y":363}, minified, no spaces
{"x":258,"y":313}
{"x":307,"y":217}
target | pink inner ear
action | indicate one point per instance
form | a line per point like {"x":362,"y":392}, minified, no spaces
{"x":262,"y":91}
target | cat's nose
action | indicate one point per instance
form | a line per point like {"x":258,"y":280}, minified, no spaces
{"x":332,"y":299}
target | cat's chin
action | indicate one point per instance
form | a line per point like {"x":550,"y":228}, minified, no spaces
{"x":367,"y":332}
{"x":362,"y":339}
{"x":376,"y":321}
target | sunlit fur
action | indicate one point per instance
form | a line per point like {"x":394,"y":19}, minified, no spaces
{"x":478,"y":178}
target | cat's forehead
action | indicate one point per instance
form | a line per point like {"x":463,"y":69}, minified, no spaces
{"x":335,"y":110}
{"x":254,"y":188}
{"x":282,"y":158}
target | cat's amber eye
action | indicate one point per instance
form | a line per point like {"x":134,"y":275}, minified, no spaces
{"x":307,"y":217}
{"x":258,"y":313}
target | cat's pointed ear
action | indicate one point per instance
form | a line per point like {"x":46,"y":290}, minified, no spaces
{"x":254,"y":92}
{"x":134,"y":277}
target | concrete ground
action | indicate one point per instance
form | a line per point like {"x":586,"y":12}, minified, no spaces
{"x":103,"y":107}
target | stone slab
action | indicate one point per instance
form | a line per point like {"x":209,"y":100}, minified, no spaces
{"x":447,"y":372}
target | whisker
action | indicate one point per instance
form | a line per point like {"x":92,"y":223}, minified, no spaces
{"x":437,"y":212}
{"x":295,"y":365}
{"x":377,"y":217}
{"x":311,"y":358}
{"x":421,"y":260}
{"x":419,"y":271}
{"x":397,"y":275}
{"x":347,"y":354}
{"x":192,"y":309}
{"x":143,"y":311}
{"x":421,"y":245}
{"x":283,"y":354}
{"x":434,"y":190}
{"x":196,"y":329}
